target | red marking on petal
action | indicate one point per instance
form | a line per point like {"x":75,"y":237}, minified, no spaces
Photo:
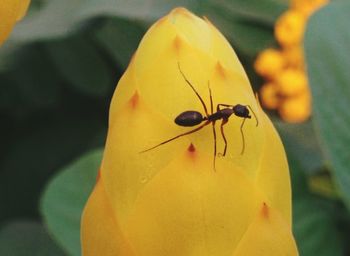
{"x":191,"y":148}
{"x":220,"y":69}
{"x":191,"y":152}
{"x":98,"y":175}
{"x":134,"y":100}
{"x":265,"y":211}
{"x":177,"y":43}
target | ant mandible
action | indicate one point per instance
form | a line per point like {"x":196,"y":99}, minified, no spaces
{"x":192,"y":118}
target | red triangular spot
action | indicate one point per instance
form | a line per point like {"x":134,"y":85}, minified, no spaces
{"x":265,"y":211}
{"x":177,"y":43}
{"x":191,"y":148}
{"x":220,"y":69}
{"x":98,"y":175}
{"x":134,"y":100}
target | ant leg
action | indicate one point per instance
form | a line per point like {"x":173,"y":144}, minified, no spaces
{"x":257,"y":121}
{"x":214,"y":133}
{"x":178,"y":136}
{"x":243,"y":141}
{"x":224,"y":121}
{"x":195,"y":91}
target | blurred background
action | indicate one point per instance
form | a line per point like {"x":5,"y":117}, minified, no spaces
{"x":59,"y":69}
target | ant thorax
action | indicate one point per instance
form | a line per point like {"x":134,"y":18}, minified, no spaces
{"x":221,"y":114}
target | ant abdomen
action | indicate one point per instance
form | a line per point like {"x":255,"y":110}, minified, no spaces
{"x":189,"y":118}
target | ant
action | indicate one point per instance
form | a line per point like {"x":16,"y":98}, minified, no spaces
{"x":192,"y":118}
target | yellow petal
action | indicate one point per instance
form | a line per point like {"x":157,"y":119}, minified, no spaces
{"x":10,"y":12}
{"x":189,"y":209}
{"x":222,"y":50}
{"x":162,"y":86}
{"x":167,"y":202}
{"x":268,"y":235}
{"x":100,"y":230}
{"x":125,"y":171}
{"x":273,"y":175}
{"x":22,"y":9}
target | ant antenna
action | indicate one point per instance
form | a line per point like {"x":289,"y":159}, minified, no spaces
{"x":243,"y":140}
{"x":257,"y":121}
{"x":211,"y":99}
{"x":195,"y":91}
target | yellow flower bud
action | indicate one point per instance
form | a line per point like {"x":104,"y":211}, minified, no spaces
{"x":11,"y":11}
{"x":294,"y":56}
{"x":269,"y":95}
{"x":296,"y":109}
{"x":170,"y":200}
{"x":289,"y":28}
{"x":269,"y":63}
{"x":291,"y":82}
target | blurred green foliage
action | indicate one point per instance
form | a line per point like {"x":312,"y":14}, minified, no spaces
{"x":58,"y":72}
{"x":330,"y":84}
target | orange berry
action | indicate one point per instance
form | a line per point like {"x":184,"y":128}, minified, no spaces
{"x":269,"y":62}
{"x":289,"y":28}
{"x":294,"y":56}
{"x":307,"y":7}
{"x":292,"y":82}
{"x":269,"y":96}
{"x":296,"y":109}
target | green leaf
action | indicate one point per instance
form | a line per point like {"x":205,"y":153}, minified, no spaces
{"x":250,"y":38}
{"x":147,"y":10}
{"x":323,"y":184}
{"x":30,"y":82}
{"x":264,"y":12}
{"x":80,"y":63}
{"x":300,"y":140}
{"x":40,"y":147}
{"x":315,"y":229}
{"x":64,"y":199}
{"x":314,"y":219}
{"x":327,"y":44}
{"x":247,"y":23}
{"x":27,"y":238}
{"x":57,"y":18}
{"x":120,"y":38}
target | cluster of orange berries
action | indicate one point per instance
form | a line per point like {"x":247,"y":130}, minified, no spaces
{"x":286,"y":88}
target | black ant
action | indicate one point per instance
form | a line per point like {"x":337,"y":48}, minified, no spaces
{"x":191,"y":118}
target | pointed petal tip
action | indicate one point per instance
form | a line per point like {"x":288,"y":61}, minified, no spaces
{"x":181,"y":11}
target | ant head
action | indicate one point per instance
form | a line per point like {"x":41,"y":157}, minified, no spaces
{"x":241,"y":111}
